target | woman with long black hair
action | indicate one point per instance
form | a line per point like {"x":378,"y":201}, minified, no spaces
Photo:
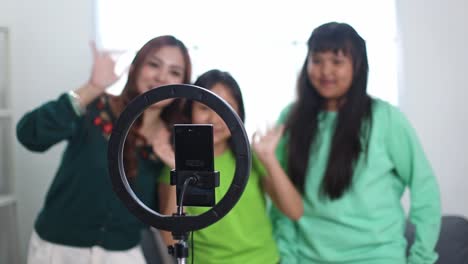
{"x":352,"y":157}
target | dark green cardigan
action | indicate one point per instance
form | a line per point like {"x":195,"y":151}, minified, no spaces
{"x":81,"y":208}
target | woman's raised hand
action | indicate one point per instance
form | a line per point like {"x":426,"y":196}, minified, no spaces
{"x":102,"y":76}
{"x":264,"y":144}
{"x":162,"y":147}
{"x":103,"y":72}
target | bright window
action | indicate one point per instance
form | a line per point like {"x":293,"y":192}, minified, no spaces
{"x":261,"y":43}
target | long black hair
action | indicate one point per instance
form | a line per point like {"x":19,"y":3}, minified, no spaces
{"x":353,"y":113}
{"x":208,"y":80}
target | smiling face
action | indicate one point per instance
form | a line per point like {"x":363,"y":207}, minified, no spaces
{"x":202,"y":114}
{"x":331,"y":74}
{"x":163,"y":66}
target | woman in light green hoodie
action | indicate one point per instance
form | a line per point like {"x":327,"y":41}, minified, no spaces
{"x":352,"y":157}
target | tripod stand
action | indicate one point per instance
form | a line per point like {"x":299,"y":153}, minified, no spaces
{"x":180,"y":249}
{"x":205,"y":179}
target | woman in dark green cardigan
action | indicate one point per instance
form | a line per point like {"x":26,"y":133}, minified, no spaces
{"x":82,"y":220}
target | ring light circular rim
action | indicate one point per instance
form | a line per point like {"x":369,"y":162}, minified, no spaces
{"x":241,"y":150}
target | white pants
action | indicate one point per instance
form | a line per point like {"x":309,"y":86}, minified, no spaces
{"x":44,"y":252}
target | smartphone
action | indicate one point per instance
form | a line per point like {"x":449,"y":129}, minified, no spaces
{"x":194,"y":153}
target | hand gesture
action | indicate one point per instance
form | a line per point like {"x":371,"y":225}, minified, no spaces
{"x":264,"y":144}
{"x":103,"y":74}
{"x":162,"y":147}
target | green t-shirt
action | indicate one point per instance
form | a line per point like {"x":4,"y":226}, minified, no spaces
{"x":244,"y":235}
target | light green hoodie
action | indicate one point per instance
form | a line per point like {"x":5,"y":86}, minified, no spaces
{"x":365,"y":225}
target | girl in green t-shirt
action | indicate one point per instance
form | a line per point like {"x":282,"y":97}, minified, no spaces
{"x":244,"y":235}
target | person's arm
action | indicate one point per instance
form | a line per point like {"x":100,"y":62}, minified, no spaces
{"x":414,"y":169}
{"x":277,"y":183}
{"x":102,"y":76}
{"x":167,"y":205}
{"x":167,"y":201}
{"x":55,"y":121}
{"x":162,"y":147}
{"x":285,"y":233}
{"x":47,"y":125}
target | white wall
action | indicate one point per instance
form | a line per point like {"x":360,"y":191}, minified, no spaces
{"x":434,"y":89}
{"x":50,"y":55}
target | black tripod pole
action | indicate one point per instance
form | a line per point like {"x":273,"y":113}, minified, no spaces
{"x":180,"y":249}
